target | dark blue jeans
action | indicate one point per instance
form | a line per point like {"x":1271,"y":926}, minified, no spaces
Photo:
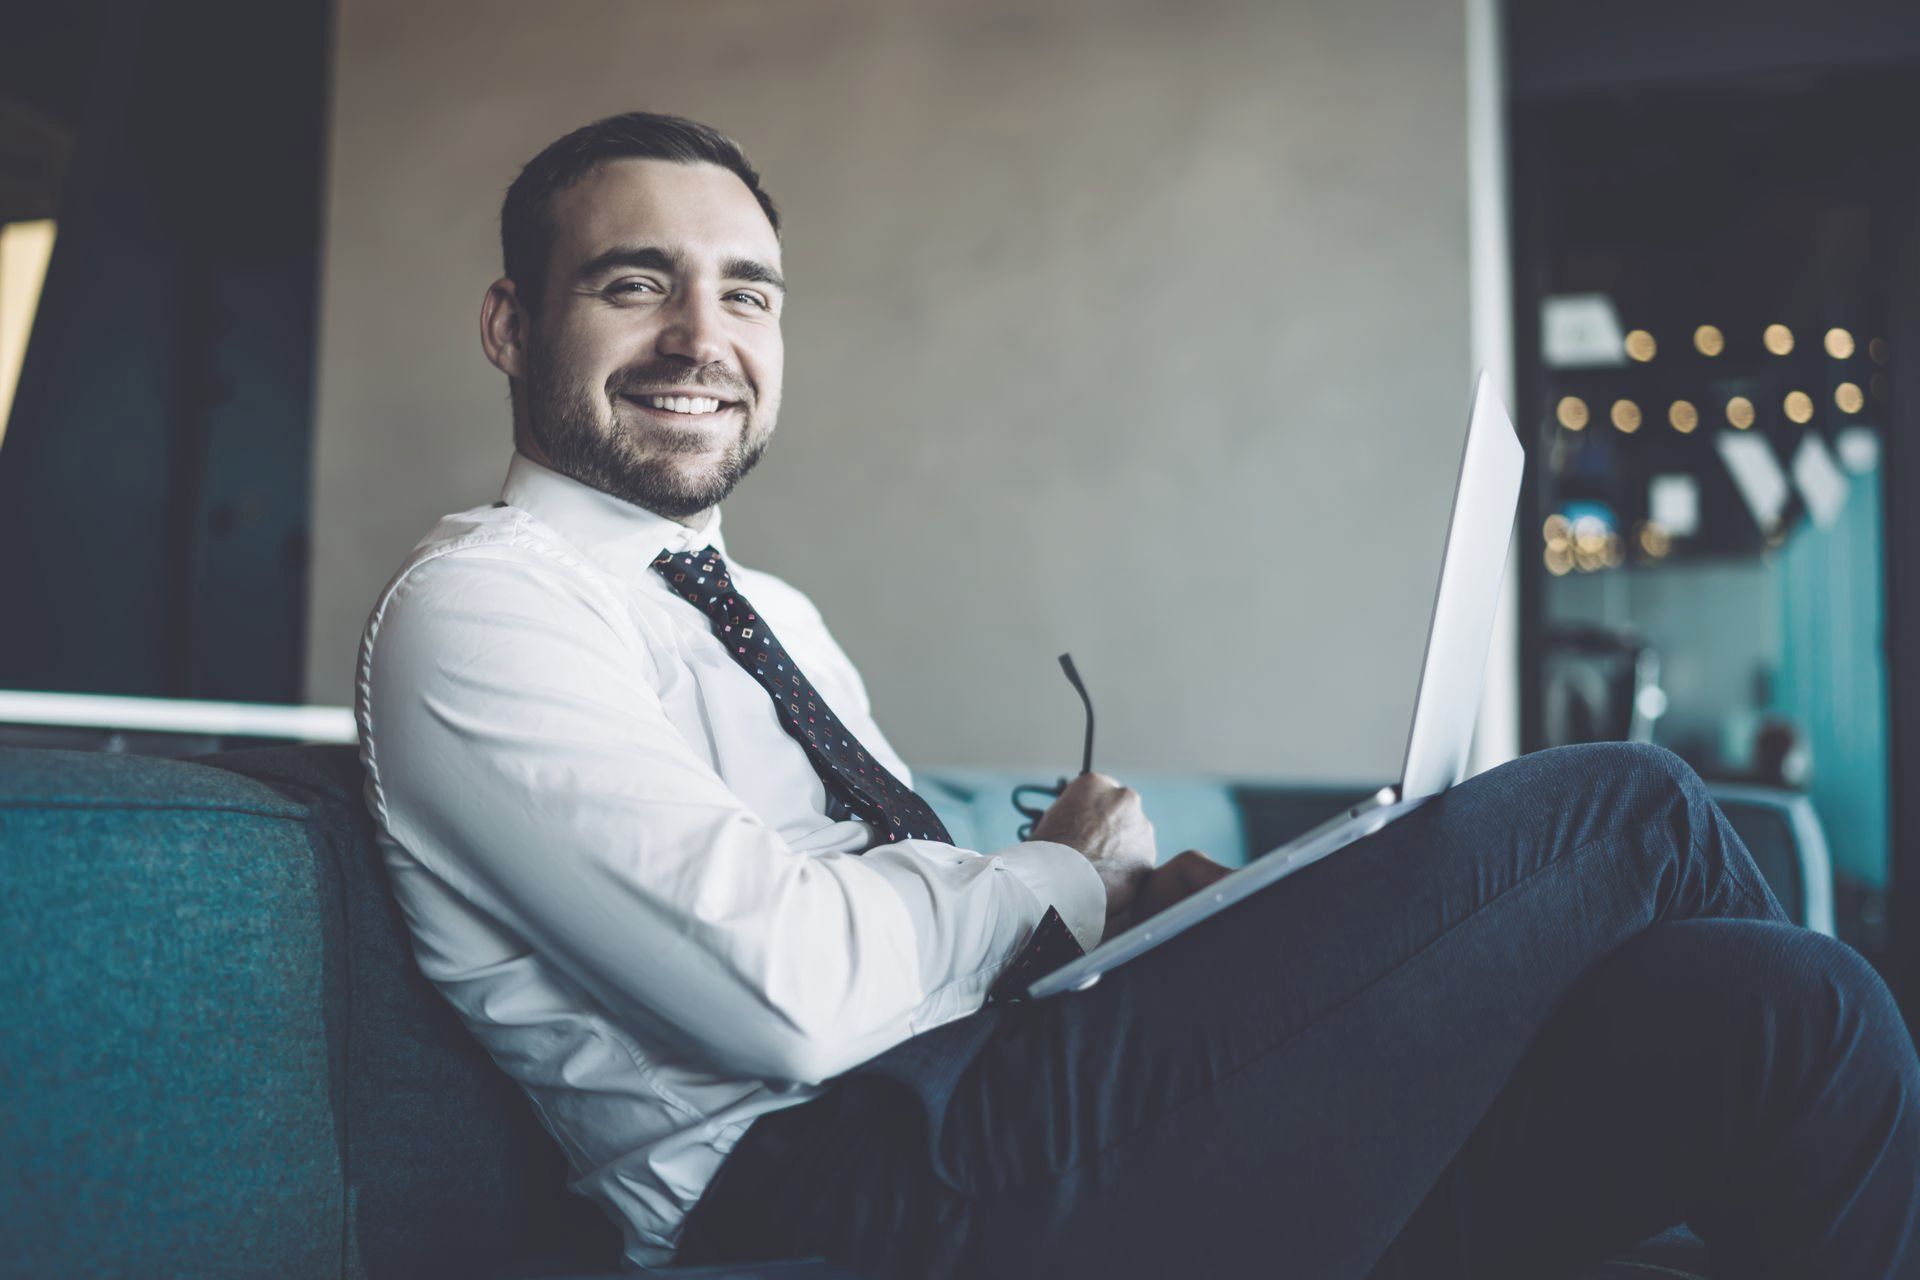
{"x":1548,"y":1014}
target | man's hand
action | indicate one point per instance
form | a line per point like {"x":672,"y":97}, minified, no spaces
{"x":1180,"y":876}
{"x":1105,"y":822}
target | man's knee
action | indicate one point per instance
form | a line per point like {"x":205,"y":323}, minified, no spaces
{"x":1828,"y":1017}
{"x":1629,"y":770}
{"x":1763,"y":1027}
{"x":1831,"y":981}
{"x":1645,"y":797}
{"x":1776,"y":976}
{"x":1614,"y":783}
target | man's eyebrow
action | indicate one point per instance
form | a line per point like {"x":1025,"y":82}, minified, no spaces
{"x":645,"y":257}
{"x":653,"y":258}
{"x":753,"y":273}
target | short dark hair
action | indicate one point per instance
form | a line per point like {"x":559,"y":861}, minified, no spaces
{"x":526,"y":233}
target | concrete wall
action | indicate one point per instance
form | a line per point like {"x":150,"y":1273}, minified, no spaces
{"x":1134,"y":329}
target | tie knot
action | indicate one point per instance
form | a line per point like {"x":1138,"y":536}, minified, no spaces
{"x":701,"y":576}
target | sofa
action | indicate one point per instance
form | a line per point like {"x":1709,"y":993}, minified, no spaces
{"x":221,"y":1060}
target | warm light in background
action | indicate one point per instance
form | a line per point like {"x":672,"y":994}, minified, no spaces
{"x":1683,"y":416}
{"x":1572,"y":412}
{"x":1626,"y":416}
{"x":1839,"y":344}
{"x":1655,"y":540}
{"x":1779,"y":339}
{"x":25,"y":248}
{"x":1558,"y":531}
{"x":1799,"y":407}
{"x":1709,"y":341}
{"x":1641,"y":346}
{"x":1740,"y":412}
{"x":1590,"y":538}
{"x":1848,"y":397}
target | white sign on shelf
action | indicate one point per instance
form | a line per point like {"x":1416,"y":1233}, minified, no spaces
{"x":1673,"y":503}
{"x":1581,"y":331}
{"x":1757,"y":474}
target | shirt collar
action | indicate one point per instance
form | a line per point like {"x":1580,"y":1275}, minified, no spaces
{"x":611,"y":532}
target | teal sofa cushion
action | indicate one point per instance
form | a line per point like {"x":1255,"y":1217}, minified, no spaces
{"x":168,"y":1046}
{"x":447,"y":1170}
{"x":220,"y":1057}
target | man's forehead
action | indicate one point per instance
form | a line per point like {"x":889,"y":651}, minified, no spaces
{"x":704,"y":212}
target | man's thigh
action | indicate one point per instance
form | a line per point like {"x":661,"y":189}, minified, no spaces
{"x":1289,"y":1079}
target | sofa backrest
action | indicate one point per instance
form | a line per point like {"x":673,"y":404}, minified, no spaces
{"x":222,"y":1060}
{"x":170,"y":1046}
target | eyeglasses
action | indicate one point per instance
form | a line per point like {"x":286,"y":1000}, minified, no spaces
{"x":1031,"y":814}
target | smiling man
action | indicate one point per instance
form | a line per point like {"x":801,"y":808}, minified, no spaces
{"x":649,"y":838}
{"x":655,"y":850}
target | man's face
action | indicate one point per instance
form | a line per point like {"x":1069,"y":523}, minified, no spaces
{"x":654,"y":357}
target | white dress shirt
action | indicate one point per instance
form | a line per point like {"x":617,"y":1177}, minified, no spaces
{"x":620,"y":868}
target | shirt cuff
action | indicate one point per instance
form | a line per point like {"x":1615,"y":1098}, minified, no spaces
{"x":1061,"y":878}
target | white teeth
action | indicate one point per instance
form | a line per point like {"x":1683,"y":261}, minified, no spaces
{"x":685,"y":404}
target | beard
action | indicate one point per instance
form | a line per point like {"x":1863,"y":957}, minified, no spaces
{"x":583,"y":437}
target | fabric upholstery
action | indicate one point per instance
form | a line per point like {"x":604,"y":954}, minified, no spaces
{"x":447,"y":1170}
{"x":170,"y":1045}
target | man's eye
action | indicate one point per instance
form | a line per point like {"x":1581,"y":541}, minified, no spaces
{"x":631,"y":288}
{"x":752,"y":299}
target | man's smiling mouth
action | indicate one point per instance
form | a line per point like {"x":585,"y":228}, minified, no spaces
{"x":689,"y":405}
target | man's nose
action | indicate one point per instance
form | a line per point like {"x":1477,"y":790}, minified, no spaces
{"x":693,"y":330}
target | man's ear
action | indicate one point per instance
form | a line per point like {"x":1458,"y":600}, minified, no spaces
{"x":504,"y":328}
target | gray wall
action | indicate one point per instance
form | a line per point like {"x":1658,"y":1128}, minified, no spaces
{"x":1139,"y":330}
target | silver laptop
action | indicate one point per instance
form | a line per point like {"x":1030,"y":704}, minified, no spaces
{"x":1478,"y":534}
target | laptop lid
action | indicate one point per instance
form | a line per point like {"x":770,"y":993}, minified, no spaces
{"x":1479,"y":534}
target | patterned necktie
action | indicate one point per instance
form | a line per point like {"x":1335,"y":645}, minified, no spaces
{"x":861,"y":783}
{"x":867,"y":787}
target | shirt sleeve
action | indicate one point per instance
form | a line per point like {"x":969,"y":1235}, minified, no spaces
{"x":518,"y":749}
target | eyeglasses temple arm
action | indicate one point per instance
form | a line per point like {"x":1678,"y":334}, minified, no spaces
{"x":1073,"y":678}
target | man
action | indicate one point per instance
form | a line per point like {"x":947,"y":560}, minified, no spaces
{"x":657,"y":853}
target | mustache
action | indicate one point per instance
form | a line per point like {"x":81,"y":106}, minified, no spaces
{"x":722,"y":381}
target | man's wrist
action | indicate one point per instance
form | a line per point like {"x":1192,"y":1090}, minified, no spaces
{"x":1060,"y":876}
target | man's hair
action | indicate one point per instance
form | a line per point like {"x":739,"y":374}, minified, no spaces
{"x":526,"y":232}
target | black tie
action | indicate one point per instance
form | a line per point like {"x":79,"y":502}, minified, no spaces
{"x":852,"y":776}
{"x":866,"y":786}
